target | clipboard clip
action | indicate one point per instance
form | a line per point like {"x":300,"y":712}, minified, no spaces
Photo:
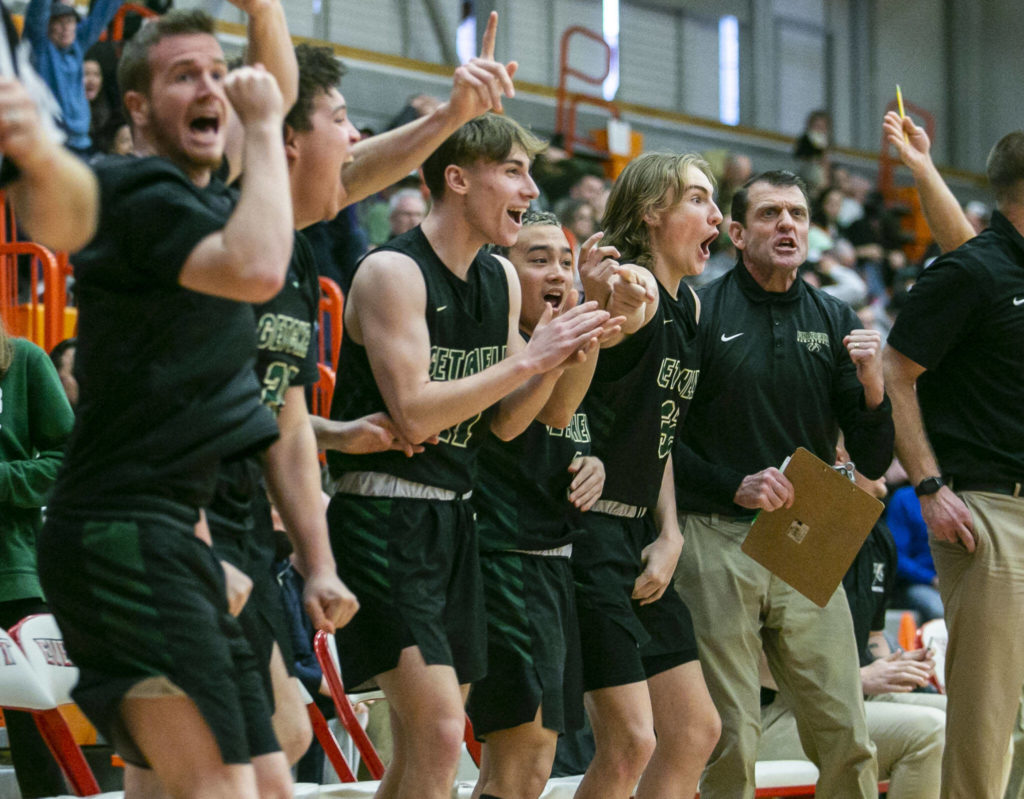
{"x":846,"y":469}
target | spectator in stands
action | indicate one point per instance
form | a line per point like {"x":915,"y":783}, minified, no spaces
{"x":917,"y":585}
{"x":406,"y":210}
{"x":59,"y":41}
{"x":736,"y":171}
{"x":812,"y":149}
{"x":579,"y":217}
{"x":35,"y":420}
{"x":63,"y":358}
{"x":106,"y":118}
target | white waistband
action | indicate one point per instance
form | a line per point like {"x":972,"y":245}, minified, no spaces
{"x":564,"y":551}
{"x":379,"y":484}
{"x":613,"y":508}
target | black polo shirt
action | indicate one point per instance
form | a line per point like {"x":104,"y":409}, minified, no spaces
{"x":774,"y":375}
{"x":964,"y":323}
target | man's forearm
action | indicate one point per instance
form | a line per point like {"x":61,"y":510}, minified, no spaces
{"x":568,"y":393}
{"x":56,"y":200}
{"x":293,"y":477}
{"x":382,"y":160}
{"x":665,"y":516}
{"x":942,"y":211}
{"x":260,"y":229}
{"x":270,"y":44}
{"x":912,"y":447}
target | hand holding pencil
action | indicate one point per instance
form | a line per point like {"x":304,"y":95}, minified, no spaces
{"x":910,"y":140}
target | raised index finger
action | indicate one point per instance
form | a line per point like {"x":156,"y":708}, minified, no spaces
{"x":487,"y":44}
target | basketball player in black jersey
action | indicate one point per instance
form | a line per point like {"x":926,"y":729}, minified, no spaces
{"x":432,"y":336}
{"x":645,"y":691}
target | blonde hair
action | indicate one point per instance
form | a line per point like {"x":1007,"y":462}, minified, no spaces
{"x":6,"y":349}
{"x":648,"y":185}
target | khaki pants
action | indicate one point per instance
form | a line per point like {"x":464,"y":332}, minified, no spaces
{"x":983,"y":593}
{"x":738,"y":607}
{"x":906,"y":729}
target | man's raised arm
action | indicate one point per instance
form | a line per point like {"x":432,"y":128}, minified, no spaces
{"x":942,"y":211}
{"x":270,"y":45}
{"x":477,"y":87}
{"x":247,"y":260}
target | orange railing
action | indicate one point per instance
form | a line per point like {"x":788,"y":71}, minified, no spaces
{"x":117,"y":24}
{"x":568,"y":101}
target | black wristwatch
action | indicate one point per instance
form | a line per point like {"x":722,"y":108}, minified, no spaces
{"x":928,"y":486}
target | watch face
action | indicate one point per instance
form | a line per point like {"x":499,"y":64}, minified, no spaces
{"x":928,"y":486}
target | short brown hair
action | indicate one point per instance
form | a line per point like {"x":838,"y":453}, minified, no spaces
{"x":490,"y":137}
{"x":1005,"y":167}
{"x":649,"y":184}
{"x":133,"y":71}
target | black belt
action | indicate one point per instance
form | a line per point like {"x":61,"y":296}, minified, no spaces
{"x":1005,"y":487}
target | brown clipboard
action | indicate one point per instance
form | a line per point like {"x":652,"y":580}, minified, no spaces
{"x":812,"y":544}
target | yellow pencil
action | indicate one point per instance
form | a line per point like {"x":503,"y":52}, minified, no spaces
{"x":899,"y":102}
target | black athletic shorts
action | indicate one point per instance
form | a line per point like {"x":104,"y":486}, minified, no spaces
{"x":622,"y":641}
{"x":248,"y":545}
{"x":414,"y":566}
{"x":533,"y":657}
{"x":138,"y":596}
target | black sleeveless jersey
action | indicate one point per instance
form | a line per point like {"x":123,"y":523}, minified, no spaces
{"x":640,"y":393}
{"x":522,"y":497}
{"x":468,"y":325}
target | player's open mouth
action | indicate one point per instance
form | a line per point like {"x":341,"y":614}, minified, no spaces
{"x":205,"y":124}
{"x":705,"y":246}
{"x":785,"y":244}
{"x":554,"y":298}
{"x":517,"y":215}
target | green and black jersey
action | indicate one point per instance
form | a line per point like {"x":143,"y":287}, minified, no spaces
{"x":522,"y":496}
{"x":166,"y":374}
{"x":286,"y":329}
{"x":468,"y":325}
{"x":640,"y":393}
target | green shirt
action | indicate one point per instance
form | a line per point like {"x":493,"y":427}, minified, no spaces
{"x":35,"y":420}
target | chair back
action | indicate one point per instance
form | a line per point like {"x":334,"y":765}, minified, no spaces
{"x":325,"y":648}
{"x":39,"y":678}
{"x":43,"y":644}
{"x":20,"y":687}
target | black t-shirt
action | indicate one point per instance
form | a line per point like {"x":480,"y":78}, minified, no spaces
{"x":468,"y":326}
{"x":640,"y":393}
{"x":774,"y":376}
{"x":869,"y":585}
{"x":165,"y":373}
{"x":286,"y":330}
{"x":964,"y":322}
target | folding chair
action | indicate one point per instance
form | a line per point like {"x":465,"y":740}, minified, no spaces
{"x":40,"y":693}
{"x":326,"y":738}
{"x":934,"y":635}
{"x":326,"y":654}
{"x":332,"y":310}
